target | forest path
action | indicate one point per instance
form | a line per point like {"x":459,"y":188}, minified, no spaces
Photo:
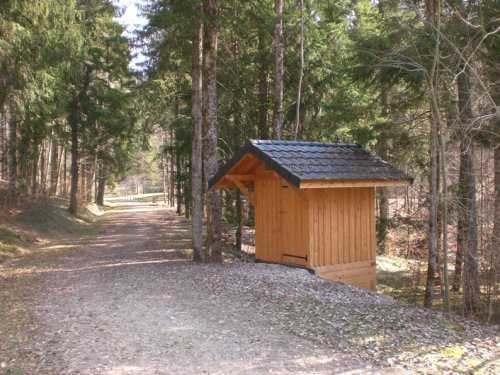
{"x":128,"y":303}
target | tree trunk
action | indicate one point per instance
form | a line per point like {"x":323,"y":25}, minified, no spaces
{"x":459,"y":256}
{"x":178,"y":181}
{"x":197,"y":146}
{"x":239,"y":220}
{"x":186,"y":187}
{"x":213,"y":248}
{"x":101,"y":185}
{"x":382,"y":148}
{"x":12,"y":161}
{"x":263,"y":126}
{"x":91,"y":176}
{"x":301,"y":71}
{"x":172,"y":170}
{"x":43,"y":168}
{"x":279,"y":71}
{"x":164,"y":170}
{"x":83,"y":181}
{"x":467,"y":183}
{"x":433,"y":8}
{"x":444,"y":219}
{"x":495,"y":257}
{"x":54,"y":168}
{"x":73,"y":120}
{"x":64,"y":184}
{"x":470,"y":232}
{"x":433,"y":215}
{"x":34,"y":171}
{"x":4,"y":145}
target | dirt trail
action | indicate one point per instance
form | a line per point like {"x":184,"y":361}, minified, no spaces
{"x":128,"y":303}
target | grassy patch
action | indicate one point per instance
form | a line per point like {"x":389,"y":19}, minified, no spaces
{"x":454,"y":352}
{"x":450,"y":325}
{"x":13,"y":242}
{"x":400,"y":278}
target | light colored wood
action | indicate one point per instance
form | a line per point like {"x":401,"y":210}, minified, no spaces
{"x":343,"y":266}
{"x":245,"y":165}
{"x":334,"y":208}
{"x":322,"y":184}
{"x":241,"y":177}
{"x":242,"y":167}
{"x":302,"y":197}
{"x":365,"y":239}
{"x":352,"y":226}
{"x":358,"y":214}
{"x":362,"y":274}
{"x":335,"y":229}
{"x":265,"y":221}
{"x":339,"y":225}
{"x":345,"y":239}
{"x":327,"y":227}
{"x":243,"y":189}
{"x":373,"y":236}
{"x":292,"y":238}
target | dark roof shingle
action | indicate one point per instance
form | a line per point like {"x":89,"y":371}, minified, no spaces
{"x":298,"y":161}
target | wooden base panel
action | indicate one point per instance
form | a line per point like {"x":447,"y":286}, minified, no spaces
{"x":362,"y":274}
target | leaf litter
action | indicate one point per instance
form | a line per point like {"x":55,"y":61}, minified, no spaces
{"x":129,"y":303}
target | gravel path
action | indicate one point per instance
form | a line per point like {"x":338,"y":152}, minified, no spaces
{"x":128,"y":303}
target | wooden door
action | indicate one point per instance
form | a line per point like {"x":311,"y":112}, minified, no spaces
{"x":291,"y":228}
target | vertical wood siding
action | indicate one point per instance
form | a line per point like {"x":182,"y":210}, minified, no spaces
{"x":342,"y":225}
{"x":280,"y":223}
{"x":336,"y":229}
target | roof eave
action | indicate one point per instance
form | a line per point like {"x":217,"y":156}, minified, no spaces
{"x":231,"y":163}
{"x":318,"y":184}
{"x":250,"y":148}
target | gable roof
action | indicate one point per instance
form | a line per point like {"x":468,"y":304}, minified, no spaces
{"x":299,"y":162}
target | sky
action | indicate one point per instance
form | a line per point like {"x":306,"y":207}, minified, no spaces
{"x":132,"y":20}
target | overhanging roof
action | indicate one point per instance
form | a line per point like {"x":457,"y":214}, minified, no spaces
{"x":316,"y":164}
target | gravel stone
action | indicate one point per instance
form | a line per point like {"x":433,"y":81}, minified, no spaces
{"x":128,"y":302}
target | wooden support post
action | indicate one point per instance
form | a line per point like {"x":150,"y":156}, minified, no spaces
{"x":243,"y":189}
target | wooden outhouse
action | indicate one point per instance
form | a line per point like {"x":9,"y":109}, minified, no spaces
{"x":314,"y":204}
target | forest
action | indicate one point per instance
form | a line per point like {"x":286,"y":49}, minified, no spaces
{"x":414,"y":82}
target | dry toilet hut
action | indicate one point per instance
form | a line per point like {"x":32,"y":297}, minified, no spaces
{"x":314,"y":204}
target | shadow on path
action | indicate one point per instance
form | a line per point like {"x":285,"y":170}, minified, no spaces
{"x":128,"y":303}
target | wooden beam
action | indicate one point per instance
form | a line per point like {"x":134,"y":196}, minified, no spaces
{"x":241,"y":177}
{"x":244,"y":189}
{"x":321,"y":184}
{"x":254,"y":163}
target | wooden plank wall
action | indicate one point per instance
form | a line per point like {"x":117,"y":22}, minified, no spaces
{"x":342,"y":240}
{"x":293,"y":226}
{"x":343,"y":225}
{"x":362,"y":273}
{"x":336,"y":229}
{"x":281,"y":223}
{"x":266,"y":220}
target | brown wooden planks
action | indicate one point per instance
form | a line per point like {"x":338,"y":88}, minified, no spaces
{"x":362,"y":274}
{"x":332,"y":184}
{"x":373,"y":236}
{"x":336,"y":227}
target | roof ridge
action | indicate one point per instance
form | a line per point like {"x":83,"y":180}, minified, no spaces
{"x":301,"y":143}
